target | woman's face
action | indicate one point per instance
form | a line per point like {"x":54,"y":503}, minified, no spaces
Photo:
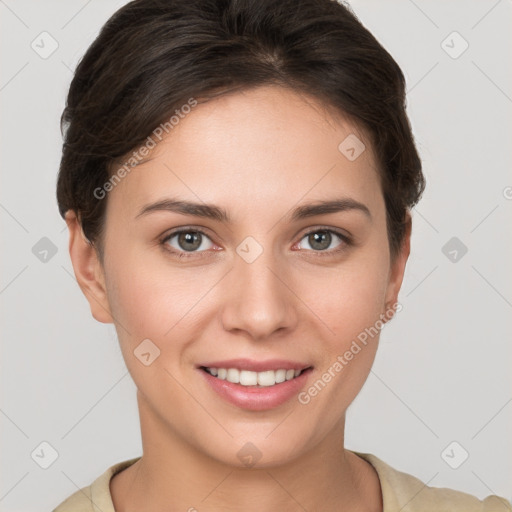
{"x":263,"y":286}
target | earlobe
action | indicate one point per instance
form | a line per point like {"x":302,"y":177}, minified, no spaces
{"x":88,"y":270}
{"x":397,"y":269}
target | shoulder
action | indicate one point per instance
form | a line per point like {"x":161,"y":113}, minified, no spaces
{"x":405,"y":492}
{"x":95,"y":496}
{"x":80,"y":501}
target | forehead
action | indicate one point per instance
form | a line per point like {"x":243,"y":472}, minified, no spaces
{"x":251,"y":149}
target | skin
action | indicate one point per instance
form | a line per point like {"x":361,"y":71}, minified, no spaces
{"x":257,"y":154}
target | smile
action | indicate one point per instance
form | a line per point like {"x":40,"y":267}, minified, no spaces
{"x":255,"y":379}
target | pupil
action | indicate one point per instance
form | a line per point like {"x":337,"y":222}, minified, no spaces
{"x":189,"y":237}
{"x":318,"y":239}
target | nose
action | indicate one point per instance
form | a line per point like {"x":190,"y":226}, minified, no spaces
{"x":259,"y":301}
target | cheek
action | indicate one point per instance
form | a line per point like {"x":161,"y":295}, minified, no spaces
{"x":156,"y":301}
{"x":350,"y":307}
{"x":148,"y":299}
{"x":347,"y":299}
{"x":145,"y":304}
{"x":152,"y":305}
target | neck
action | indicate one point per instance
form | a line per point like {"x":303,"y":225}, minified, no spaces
{"x":173,"y":475}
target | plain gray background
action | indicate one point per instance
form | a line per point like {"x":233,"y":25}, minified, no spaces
{"x":442,"y":372}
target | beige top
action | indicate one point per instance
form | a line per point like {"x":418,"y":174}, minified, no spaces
{"x":401,"y":492}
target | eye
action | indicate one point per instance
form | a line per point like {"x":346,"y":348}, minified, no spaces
{"x":186,"y":241}
{"x":321,"y":239}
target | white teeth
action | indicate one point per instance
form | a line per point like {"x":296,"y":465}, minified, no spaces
{"x":248,"y":378}
{"x":280,"y":376}
{"x":266,"y":378}
{"x":233,"y":375}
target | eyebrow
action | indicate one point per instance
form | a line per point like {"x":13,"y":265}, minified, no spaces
{"x":210,"y":211}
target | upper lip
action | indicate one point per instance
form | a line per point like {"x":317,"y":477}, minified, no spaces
{"x":256,"y":366}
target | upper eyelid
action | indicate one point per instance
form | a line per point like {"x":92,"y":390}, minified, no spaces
{"x":336,"y":231}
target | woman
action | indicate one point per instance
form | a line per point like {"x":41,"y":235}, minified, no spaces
{"x":237,"y":179}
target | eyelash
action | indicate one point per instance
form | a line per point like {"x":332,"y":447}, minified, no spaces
{"x":182,"y":254}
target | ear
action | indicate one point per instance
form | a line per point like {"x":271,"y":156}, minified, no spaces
{"x":397,"y":269}
{"x":88,"y":269}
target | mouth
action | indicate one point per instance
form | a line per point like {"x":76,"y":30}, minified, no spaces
{"x":253,"y":379}
{"x":256,"y":385}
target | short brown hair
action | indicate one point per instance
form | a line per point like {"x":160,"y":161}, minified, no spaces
{"x":151,"y":56}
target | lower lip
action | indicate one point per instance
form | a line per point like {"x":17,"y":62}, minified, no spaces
{"x":255,"y":398}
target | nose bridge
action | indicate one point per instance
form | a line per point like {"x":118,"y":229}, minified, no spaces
{"x":258,"y":301}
